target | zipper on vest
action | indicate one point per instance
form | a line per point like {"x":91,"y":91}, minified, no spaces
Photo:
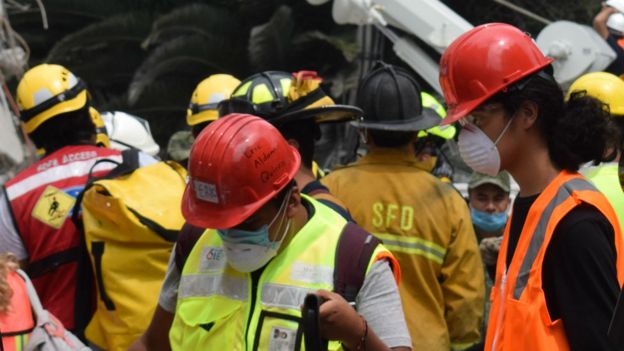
{"x":254,"y":280}
{"x":500,"y":308}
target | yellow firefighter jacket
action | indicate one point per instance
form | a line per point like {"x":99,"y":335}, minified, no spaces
{"x":426,"y":225}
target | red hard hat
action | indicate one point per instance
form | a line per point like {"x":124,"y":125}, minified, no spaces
{"x":483,"y":62}
{"x":237,"y":164}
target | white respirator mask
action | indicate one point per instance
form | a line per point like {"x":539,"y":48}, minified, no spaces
{"x":478,"y":150}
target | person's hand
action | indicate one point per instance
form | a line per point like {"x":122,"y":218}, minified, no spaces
{"x":339,"y":321}
{"x":489,"y":248}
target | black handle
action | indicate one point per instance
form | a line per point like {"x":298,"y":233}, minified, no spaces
{"x":97,"y":250}
{"x":311,"y":324}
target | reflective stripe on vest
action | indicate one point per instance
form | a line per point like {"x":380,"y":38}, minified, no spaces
{"x":519,"y":318}
{"x":17,"y":323}
{"x":215,"y":311}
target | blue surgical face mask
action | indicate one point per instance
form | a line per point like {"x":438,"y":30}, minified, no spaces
{"x":258,"y":237}
{"x":488,"y":222}
{"x":248,"y":250}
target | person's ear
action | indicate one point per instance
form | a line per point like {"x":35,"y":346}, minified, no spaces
{"x":527,"y":114}
{"x":293,"y":202}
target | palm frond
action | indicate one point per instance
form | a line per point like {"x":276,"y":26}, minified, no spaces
{"x":344,"y":43}
{"x":196,"y":19}
{"x":269,"y":43}
{"x":127,"y":28}
{"x":189,"y":56}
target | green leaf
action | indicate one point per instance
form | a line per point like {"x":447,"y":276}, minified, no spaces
{"x":269,"y":43}
{"x":192,"y":56}
{"x":196,"y":19}
{"x":128,"y":28}
{"x":345,"y":44}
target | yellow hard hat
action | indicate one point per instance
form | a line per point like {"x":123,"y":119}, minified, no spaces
{"x":101,"y":134}
{"x":446,"y":132}
{"x":603,"y":86}
{"x":47,"y":91}
{"x":207,"y":95}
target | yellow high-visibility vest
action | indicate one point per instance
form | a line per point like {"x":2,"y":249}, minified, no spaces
{"x":217,"y":309}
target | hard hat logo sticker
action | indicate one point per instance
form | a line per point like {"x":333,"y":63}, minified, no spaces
{"x":206,"y":191}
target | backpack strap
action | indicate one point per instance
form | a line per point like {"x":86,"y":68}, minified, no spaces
{"x":85,"y":284}
{"x":187,"y":239}
{"x":353,"y":254}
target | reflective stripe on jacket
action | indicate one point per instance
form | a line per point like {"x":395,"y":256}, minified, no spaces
{"x":17,"y":323}
{"x":426,"y":225}
{"x":218,"y":309}
{"x":519,"y":318}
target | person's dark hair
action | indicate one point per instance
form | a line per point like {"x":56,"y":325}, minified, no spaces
{"x":196,"y":129}
{"x":70,"y":128}
{"x":619,"y":123}
{"x":576,"y":131}
{"x":278,"y":199}
{"x":305,"y":132}
{"x":391,"y":138}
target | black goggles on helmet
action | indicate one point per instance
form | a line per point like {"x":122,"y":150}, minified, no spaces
{"x":197,"y":108}
{"x":266,"y":110}
{"x":68,"y":94}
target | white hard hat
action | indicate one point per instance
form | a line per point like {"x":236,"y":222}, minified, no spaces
{"x":126,"y":131}
{"x":616,"y":4}
{"x":616,"y":22}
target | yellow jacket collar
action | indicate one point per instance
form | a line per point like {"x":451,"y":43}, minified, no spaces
{"x":389,"y":156}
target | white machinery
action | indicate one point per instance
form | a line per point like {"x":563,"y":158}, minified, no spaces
{"x":577,"y":49}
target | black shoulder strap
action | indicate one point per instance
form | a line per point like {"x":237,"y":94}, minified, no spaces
{"x":84,"y":275}
{"x":129,"y":163}
{"x":354,"y":251}
{"x":186,"y":241}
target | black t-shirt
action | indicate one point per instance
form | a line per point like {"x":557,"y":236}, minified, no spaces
{"x":579,"y":277}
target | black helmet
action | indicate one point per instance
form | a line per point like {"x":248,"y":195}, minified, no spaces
{"x":281,"y":97}
{"x":390,"y":98}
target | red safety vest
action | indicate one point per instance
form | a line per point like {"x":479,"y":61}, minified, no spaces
{"x":17,"y":323}
{"x":41,"y":200}
{"x":519,"y":318}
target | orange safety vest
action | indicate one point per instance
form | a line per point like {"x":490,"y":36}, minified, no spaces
{"x":17,"y":323}
{"x":519,"y":318}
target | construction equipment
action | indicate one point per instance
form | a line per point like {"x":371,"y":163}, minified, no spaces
{"x":576,"y":48}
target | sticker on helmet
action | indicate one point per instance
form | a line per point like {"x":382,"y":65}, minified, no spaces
{"x":206,"y":191}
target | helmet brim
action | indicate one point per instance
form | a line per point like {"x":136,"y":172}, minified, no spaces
{"x":427,"y":119}
{"x":321,"y":114}
{"x":70,"y":105}
{"x":455,"y":113}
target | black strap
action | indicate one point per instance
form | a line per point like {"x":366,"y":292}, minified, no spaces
{"x":16,"y":333}
{"x":49,"y":263}
{"x":68,"y":94}
{"x":84,"y":277}
{"x":354,"y":252}
{"x":130,"y":162}
{"x":187,"y":239}
{"x":167,"y":234}
{"x":97,"y":250}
